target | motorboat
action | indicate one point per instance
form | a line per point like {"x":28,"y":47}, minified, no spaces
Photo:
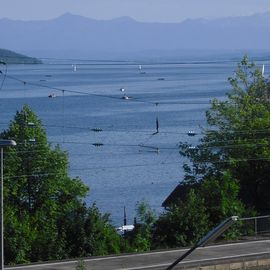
{"x":125,"y":228}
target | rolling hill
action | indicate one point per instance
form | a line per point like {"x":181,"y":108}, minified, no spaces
{"x":11,"y":57}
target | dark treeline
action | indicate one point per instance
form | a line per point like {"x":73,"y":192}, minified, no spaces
{"x":10,"y":57}
{"x":227,"y":173}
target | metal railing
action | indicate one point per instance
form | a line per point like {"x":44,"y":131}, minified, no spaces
{"x":255,"y":226}
{"x":248,"y":228}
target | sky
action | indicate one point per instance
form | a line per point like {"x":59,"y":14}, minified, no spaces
{"x":140,"y":10}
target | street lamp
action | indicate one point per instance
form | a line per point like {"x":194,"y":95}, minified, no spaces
{"x":3,"y":144}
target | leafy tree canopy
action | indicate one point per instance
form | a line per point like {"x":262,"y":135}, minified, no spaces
{"x":228,"y":171}
{"x":45,"y":215}
{"x":236,"y":140}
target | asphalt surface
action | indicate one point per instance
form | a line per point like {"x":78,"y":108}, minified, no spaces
{"x":162,"y":259}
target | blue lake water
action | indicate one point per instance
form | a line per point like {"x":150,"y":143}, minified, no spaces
{"x":121,"y":172}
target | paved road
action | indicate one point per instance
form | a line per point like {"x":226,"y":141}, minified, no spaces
{"x":162,"y":259}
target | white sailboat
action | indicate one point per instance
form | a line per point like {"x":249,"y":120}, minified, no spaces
{"x":263,"y":70}
{"x":74,"y":67}
{"x":140,"y":69}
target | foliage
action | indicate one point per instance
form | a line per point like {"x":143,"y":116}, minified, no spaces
{"x":182,"y":224}
{"x":229,"y":168}
{"x":221,"y":198}
{"x":146,"y":216}
{"x":92,"y":231}
{"x":45,"y":216}
{"x":140,"y":238}
{"x":237,"y":139}
{"x":80,"y":265}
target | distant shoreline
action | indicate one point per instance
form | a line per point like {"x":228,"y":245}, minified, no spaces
{"x":11,"y":57}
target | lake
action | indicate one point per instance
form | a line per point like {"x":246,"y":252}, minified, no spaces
{"x":129,"y":161}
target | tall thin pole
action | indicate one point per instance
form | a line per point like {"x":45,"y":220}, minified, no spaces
{"x":182,"y":257}
{"x":125,"y":216}
{"x":3,"y":143}
{"x":2,"y":211}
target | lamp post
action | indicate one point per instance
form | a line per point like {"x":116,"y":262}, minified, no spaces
{"x":208,"y":238}
{"x":3,"y":144}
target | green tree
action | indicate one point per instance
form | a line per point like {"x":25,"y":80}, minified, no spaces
{"x":89,"y":233}
{"x":80,"y":265}
{"x":236,"y":140}
{"x":141,"y":237}
{"x":182,"y":224}
{"x":228,"y":171}
{"x":45,"y":214}
{"x":220,"y":196}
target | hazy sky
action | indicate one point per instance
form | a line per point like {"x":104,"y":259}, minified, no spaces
{"x":141,"y":10}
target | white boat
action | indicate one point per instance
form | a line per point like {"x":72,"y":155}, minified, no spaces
{"x":125,"y":97}
{"x":74,"y":67}
{"x":141,"y":71}
{"x":125,"y":228}
{"x":52,"y":95}
{"x":191,"y":133}
{"x":263,"y":70}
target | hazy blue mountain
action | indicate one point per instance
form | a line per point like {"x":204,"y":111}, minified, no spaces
{"x":71,"y":34}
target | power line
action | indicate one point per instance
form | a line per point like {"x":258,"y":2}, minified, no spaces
{"x":85,"y":93}
{"x":64,"y":151}
{"x":148,"y":132}
{"x":91,"y":144}
{"x":110,"y":96}
{"x":231,"y":161}
{"x":76,"y":91}
{"x":5,"y":74}
{"x":93,"y":168}
{"x":114,"y":97}
{"x":155,"y":147}
{"x":110,"y":129}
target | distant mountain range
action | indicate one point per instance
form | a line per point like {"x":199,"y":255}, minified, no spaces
{"x":10,"y":57}
{"x":70,"y":34}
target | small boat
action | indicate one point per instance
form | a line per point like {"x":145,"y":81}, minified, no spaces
{"x":125,"y":97}
{"x":96,"y":129}
{"x":122,"y":89}
{"x":161,"y":79}
{"x":52,"y":95}
{"x":48,"y":75}
{"x":74,"y":68}
{"x":191,"y":133}
{"x":125,"y":228}
{"x":140,"y":68}
{"x":263,"y":70}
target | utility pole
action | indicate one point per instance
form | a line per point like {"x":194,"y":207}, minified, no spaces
{"x":3,"y":143}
